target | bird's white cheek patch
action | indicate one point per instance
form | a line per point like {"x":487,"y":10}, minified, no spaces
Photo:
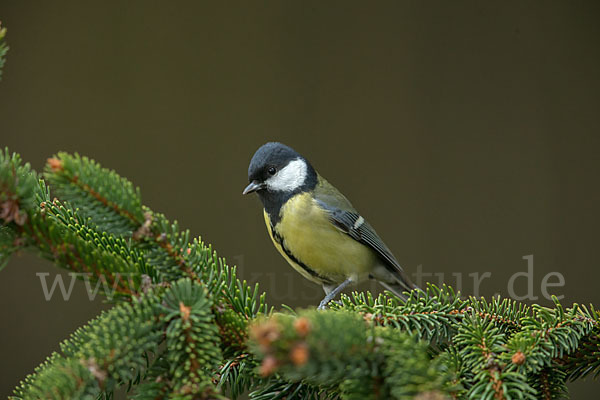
{"x":289,"y":178}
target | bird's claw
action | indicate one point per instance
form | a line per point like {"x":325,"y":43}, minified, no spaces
{"x":323,"y":304}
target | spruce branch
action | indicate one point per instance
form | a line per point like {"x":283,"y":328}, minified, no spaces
{"x":192,"y":338}
{"x":184,"y":326}
{"x":360,"y":361}
{"x":431,"y":315}
{"x":111,"y":201}
{"x":108,"y":351}
{"x":115,"y":206}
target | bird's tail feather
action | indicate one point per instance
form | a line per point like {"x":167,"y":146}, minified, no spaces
{"x":396,"y":288}
{"x":401,"y":286}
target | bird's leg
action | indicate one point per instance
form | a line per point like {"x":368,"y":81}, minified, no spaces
{"x":332,"y":295}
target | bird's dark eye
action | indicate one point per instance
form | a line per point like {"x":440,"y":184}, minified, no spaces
{"x":272,"y":170}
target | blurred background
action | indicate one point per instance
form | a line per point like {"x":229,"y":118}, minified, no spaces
{"x":466,"y":133}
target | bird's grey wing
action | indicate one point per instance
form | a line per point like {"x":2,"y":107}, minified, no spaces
{"x":325,"y":192}
{"x":355,"y":226}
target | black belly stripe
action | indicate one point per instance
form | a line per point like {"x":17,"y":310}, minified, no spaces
{"x":305,"y":267}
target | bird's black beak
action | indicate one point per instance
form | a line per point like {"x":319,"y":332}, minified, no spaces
{"x":253,"y":187}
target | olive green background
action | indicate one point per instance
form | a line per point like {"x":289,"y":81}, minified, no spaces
{"x":465,"y":132}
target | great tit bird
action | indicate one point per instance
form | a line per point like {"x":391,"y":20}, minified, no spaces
{"x":315,"y":228}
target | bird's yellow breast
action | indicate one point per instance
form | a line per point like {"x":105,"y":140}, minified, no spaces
{"x":308,"y":236}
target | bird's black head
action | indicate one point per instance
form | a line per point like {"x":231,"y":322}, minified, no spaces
{"x":277,"y":172}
